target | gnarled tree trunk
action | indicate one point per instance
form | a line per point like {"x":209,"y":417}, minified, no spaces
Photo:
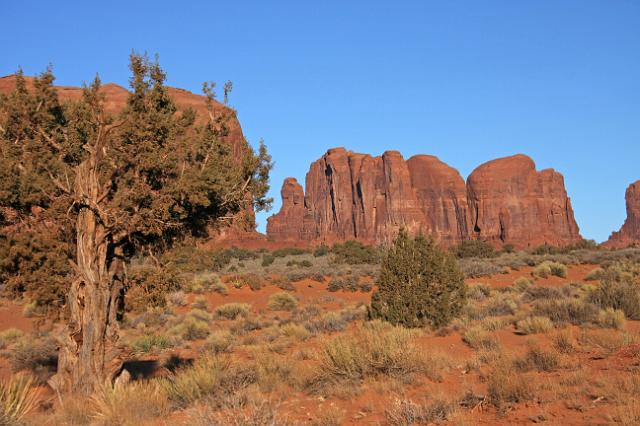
{"x":89,"y":354}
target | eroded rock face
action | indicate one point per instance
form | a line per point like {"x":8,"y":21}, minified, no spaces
{"x":357,"y":196}
{"x":512,"y":203}
{"x":629,"y":234}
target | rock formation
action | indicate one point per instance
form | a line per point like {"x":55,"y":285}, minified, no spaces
{"x":357,"y":196}
{"x":629,"y":234}
{"x":511,"y":202}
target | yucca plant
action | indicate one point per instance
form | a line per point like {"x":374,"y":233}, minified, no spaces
{"x":18,"y":398}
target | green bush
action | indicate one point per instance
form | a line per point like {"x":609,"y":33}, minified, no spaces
{"x":267,"y":259}
{"x":289,"y":251}
{"x":420,"y":284}
{"x":522,"y":284}
{"x":321,"y":250}
{"x":282,"y":301}
{"x":473,"y":248}
{"x":354,"y":253}
{"x":148,"y":286}
{"x":571,"y":311}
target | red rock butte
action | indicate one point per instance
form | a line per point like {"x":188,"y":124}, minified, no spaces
{"x":629,"y":234}
{"x":358,"y":196}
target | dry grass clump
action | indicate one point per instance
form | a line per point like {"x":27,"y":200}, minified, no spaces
{"x":209,"y":376}
{"x":537,"y":359}
{"x":566,"y":311}
{"x":232,"y":310}
{"x":192,"y":326}
{"x":282,"y":301}
{"x":405,"y":412}
{"x":18,"y":398}
{"x":9,"y":336}
{"x":595,"y":274}
{"x":563,"y":342}
{"x":522,"y":284}
{"x":607,"y":341}
{"x":39,"y":357}
{"x":176,"y":298}
{"x":533,"y":325}
{"x":130,"y":404}
{"x":478,"y":338}
{"x":151,"y":342}
{"x":611,"y":318}
{"x":478,"y":291}
{"x":505,"y":387}
{"x":377,"y":348}
{"x":255,"y":412}
{"x":294,"y":331}
{"x":219,"y":341}
{"x":548,"y":268}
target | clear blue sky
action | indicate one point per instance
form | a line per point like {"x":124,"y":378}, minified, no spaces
{"x":467,"y":81}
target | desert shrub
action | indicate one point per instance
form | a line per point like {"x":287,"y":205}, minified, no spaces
{"x":149,"y":343}
{"x":419,"y":284}
{"x":500,"y":304}
{"x":253,"y":281}
{"x":522,"y":284}
{"x":537,"y":359}
{"x":294,"y":331}
{"x":611,"y":318}
{"x":189,"y":258}
{"x":176,"y":298}
{"x":232,"y":310}
{"x":128,"y":405}
{"x":193,"y":326}
{"x":536,"y":293}
{"x":203,"y":282}
{"x":473,"y":248}
{"x":475,"y":268}
{"x":29,"y":309}
{"x":39,"y":357}
{"x":289,"y":251}
{"x":321,"y":250}
{"x":148,"y":286}
{"x":18,"y":398}
{"x":333,"y":321}
{"x":375,"y":349}
{"x":478,"y":338}
{"x":536,"y":324}
{"x":209,"y":376}
{"x":563,"y":342}
{"x":353,"y":252}
{"x":504,"y":387}
{"x":283,"y":283}
{"x":493,"y":324}
{"x":9,"y":336}
{"x":200,"y":303}
{"x":623,"y":295}
{"x":404,"y":412}
{"x":247,"y":411}
{"x":348,"y":283}
{"x":606,"y":340}
{"x":282,"y":302}
{"x":595,"y":274}
{"x":478,"y":291}
{"x":267,"y":259}
{"x":548,"y":268}
{"x":219,"y":341}
{"x":565,"y":311}
{"x":300,"y":263}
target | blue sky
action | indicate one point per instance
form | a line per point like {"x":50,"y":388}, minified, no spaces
{"x":467,"y":81}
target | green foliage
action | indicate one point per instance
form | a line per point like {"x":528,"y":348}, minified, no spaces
{"x":620,"y":292}
{"x":148,"y":343}
{"x":148,"y":286}
{"x":321,"y":250}
{"x":474,"y":248}
{"x":419,"y":284}
{"x":161,"y":177}
{"x":354,"y":252}
{"x":289,"y":251}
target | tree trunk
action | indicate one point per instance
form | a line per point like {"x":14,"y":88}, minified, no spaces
{"x":89,"y":354}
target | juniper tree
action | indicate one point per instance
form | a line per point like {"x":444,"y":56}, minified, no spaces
{"x":113,"y":187}
{"x":419,"y":285}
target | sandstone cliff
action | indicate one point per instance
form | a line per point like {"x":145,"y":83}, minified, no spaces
{"x":629,"y":234}
{"x":357,"y":196}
